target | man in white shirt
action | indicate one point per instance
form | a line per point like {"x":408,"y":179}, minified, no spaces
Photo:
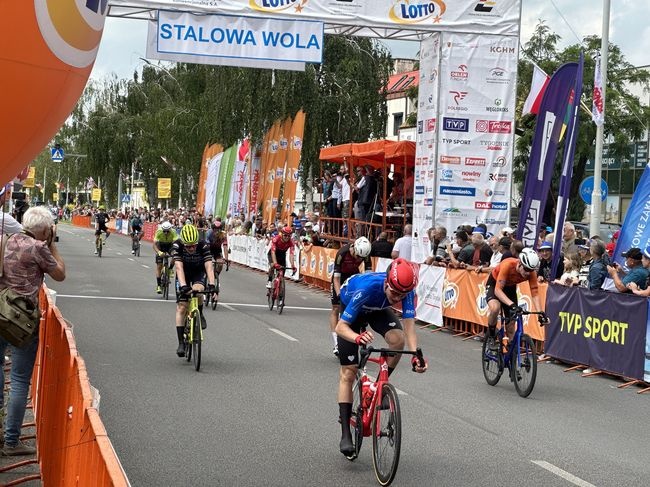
{"x":402,"y":247}
{"x":8,"y":224}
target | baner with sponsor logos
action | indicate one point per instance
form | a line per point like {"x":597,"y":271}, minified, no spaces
{"x":476,"y":130}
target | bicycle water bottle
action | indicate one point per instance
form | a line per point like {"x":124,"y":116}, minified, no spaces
{"x":366,"y":394}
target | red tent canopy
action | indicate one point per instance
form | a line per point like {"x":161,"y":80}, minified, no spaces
{"x":374,"y":153}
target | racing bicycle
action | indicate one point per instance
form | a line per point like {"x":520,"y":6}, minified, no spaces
{"x":520,"y":357}
{"x":99,"y":244}
{"x":376,"y":412}
{"x":277,"y":293}
{"x":165,"y":276}
{"x":209,"y":300}
{"x":193,"y":334}
{"x":135,"y":243}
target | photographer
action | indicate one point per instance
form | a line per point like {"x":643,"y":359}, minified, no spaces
{"x":637,"y":273}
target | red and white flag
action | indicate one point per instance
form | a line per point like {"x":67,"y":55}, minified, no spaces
{"x":537,"y":89}
{"x":598,"y":106}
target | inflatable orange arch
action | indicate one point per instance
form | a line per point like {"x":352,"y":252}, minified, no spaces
{"x":51,"y":46}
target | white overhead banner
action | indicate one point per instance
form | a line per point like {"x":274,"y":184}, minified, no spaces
{"x":375,"y":18}
{"x":229,"y":40}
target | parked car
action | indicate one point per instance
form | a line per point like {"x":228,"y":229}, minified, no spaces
{"x":606,"y":229}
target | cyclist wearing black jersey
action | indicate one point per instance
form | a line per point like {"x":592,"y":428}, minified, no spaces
{"x":101,"y":218}
{"x":346,"y":264}
{"x":193,"y":262}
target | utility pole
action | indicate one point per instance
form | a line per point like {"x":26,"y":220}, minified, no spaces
{"x":119,"y":190}
{"x":596,"y":195}
{"x":44,"y":181}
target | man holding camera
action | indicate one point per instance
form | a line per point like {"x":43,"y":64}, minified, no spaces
{"x":636,"y":272}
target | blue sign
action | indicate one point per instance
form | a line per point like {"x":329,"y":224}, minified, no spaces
{"x":126,"y":198}
{"x":57,"y":154}
{"x":587,"y":187}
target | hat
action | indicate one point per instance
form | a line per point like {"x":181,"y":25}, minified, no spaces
{"x":633,"y":253}
{"x":646,"y":253}
{"x":546,"y":246}
{"x":309,"y":225}
{"x":617,"y":234}
{"x":507,"y":230}
{"x":480,"y":230}
{"x":505,"y":242}
{"x":585,"y":245}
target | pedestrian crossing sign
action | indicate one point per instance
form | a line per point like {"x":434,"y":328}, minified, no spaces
{"x":57,"y":154}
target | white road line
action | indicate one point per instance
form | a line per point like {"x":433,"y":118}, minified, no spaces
{"x":119,"y":253}
{"x":284,"y":335}
{"x":226,"y":305}
{"x":132,"y":260}
{"x":145,"y":266}
{"x":561,"y":473}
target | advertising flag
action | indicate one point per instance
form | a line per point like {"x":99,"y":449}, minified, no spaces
{"x":164,"y":188}
{"x":293,"y":162}
{"x":598,"y":106}
{"x":268,"y":165}
{"x":219,"y":209}
{"x":567,"y":164}
{"x":280,"y":162}
{"x":253,"y":182}
{"x":214,"y":165}
{"x":543,"y":152}
{"x":537,"y":88}
{"x":237,"y":203}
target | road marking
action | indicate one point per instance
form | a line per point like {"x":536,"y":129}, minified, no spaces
{"x":282,"y":334}
{"x":227,"y":306}
{"x":562,"y":473}
{"x":119,"y":253}
{"x":145,"y":266}
{"x":244,"y":305}
{"x":132,"y":260}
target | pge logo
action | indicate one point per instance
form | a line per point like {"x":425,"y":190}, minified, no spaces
{"x":277,"y":5}
{"x":481,"y":301}
{"x":416,"y":11}
{"x":485,"y":6}
{"x":500,"y":161}
{"x":497,"y":75}
{"x":450,"y":294}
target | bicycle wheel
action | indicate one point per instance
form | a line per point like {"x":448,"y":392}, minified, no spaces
{"x":216,"y":287}
{"x":356,"y":420}
{"x":281,"y":295}
{"x":492,"y":361}
{"x":164,"y":284}
{"x":196,"y":344}
{"x":386,"y":435}
{"x":100,"y":245}
{"x":137,"y":249}
{"x":270,"y":294}
{"x":524,"y":367}
{"x":188,"y":345}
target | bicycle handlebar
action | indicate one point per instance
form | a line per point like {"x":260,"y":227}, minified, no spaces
{"x":367,"y":351}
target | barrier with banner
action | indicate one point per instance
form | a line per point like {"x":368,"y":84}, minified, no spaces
{"x":252,"y":252}
{"x":604,"y":330}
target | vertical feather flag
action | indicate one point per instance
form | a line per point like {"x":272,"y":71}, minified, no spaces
{"x":293,"y":162}
{"x":598,"y":107}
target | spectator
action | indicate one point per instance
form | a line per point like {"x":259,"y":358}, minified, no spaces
{"x":464,"y":247}
{"x":507,"y":232}
{"x":402,"y":246}
{"x":438,"y":240}
{"x":499,"y":248}
{"x":515,"y":249}
{"x":571,"y":275}
{"x":381,"y":247}
{"x":482,"y":253}
{"x":569,"y":239}
{"x":612,"y":244}
{"x":598,"y":267}
{"x":586,"y":260}
{"x":637,"y":273}
{"x":345,"y":197}
{"x":545,"y":253}
{"x":28,"y":257}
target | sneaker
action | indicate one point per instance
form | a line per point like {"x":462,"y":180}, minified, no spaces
{"x":133,"y":252}
{"x":180,"y":351}
{"x":95,"y":251}
{"x":269,"y":285}
{"x":204,"y":324}
{"x":335,"y":350}
{"x":158,"y":290}
{"x":492,"y":344}
{"x":19,"y":449}
{"x":346,"y":447}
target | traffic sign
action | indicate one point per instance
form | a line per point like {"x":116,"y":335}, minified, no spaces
{"x":57,"y":154}
{"x":587,"y":187}
{"x":126,"y":198}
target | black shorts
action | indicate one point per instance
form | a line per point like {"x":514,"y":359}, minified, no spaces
{"x":381,"y":321}
{"x":510,"y":291}
{"x":336,"y":298}
{"x":217,"y":252}
{"x":101,"y":229}
{"x":191,"y":280}
{"x":166,"y":249}
{"x":280,"y":257}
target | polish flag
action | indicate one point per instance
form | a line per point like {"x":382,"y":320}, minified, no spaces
{"x":537,"y":89}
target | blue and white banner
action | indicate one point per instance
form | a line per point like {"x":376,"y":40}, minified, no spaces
{"x":231,"y":40}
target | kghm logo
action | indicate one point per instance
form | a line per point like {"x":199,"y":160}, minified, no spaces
{"x":72,"y":29}
{"x":485,"y":6}
{"x":417,"y":11}
{"x":277,"y":5}
{"x":450,"y":294}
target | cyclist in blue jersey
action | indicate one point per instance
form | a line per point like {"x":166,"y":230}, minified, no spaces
{"x":366,"y":299}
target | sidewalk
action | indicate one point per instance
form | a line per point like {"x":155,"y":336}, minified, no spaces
{"x":28,"y":436}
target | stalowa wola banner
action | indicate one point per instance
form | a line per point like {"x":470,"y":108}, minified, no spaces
{"x":600,"y":329}
{"x":543,"y":152}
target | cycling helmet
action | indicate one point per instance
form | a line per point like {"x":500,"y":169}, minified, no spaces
{"x":189,"y":235}
{"x":287,"y":231}
{"x":529,"y":259}
{"x":101,"y":207}
{"x":362,"y":247}
{"x":166,"y":226}
{"x":401,"y":275}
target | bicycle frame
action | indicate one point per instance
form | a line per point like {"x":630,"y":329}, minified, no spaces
{"x":193,"y":314}
{"x":516,"y":341}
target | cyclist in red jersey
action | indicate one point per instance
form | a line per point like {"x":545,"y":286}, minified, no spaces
{"x":278,"y":253}
{"x":501,"y":291}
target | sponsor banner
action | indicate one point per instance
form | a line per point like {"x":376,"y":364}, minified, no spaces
{"x":252,"y":252}
{"x":222,"y":39}
{"x":164,"y":188}
{"x":429,"y":295}
{"x":214,"y":165}
{"x":463,"y":298}
{"x":603,"y":330}
{"x":293,"y":162}
{"x":237,"y":202}
{"x":226,"y":169}
{"x":392,"y":16}
{"x":426,"y":147}
{"x":476,"y":133}
{"x":253,"y":183}
{"x":646,"y":374}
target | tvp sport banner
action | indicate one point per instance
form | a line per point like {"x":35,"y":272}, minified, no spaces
{"x":424,"y":178}
{"x":604,"y":330}
{"x":475,"y":130}
{"x":392,"y":16}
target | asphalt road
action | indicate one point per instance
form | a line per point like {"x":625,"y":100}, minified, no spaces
{"x":262,"y":411}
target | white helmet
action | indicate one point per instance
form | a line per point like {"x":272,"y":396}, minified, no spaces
{"x":362,"y":247}
{"x":529,"y":259}
{"x":166,"y":226}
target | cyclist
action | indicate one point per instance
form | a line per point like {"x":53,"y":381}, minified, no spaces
{"x":162,"y":244}
{"x":346,"y":264}
{"x":501,"y":293}
{"x":278,"y":253}
{"x":367,"y":299}
{"x":136,"y":227}
{"x":193,"y":262}
{"x":101,"y":218}
{"x":218,"y":242}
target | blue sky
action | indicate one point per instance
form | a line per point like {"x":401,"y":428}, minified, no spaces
{"x":124,"y":41}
